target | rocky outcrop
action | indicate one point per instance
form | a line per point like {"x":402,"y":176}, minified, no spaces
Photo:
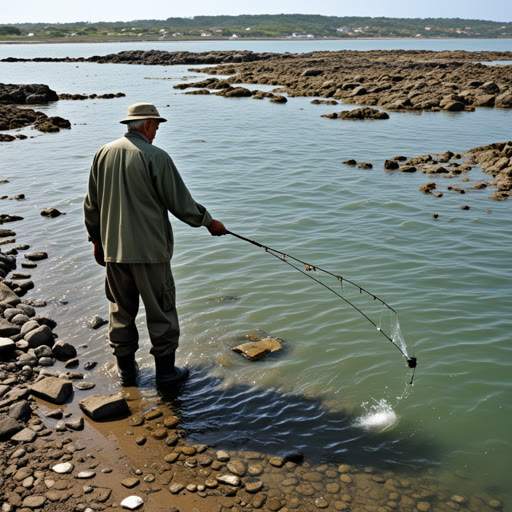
{"x":26,"y":94}
{"x":359,"y":113}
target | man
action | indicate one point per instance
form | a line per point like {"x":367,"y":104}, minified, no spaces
{"x":132,"y":187}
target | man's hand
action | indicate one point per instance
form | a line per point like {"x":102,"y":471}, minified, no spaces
{"x":216,"y":228}
{"x":99,"y":255}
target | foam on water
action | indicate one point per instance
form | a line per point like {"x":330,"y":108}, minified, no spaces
{"x":378,"y":417}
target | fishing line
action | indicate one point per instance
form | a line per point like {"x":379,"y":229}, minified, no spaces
{"x":288,"y":259}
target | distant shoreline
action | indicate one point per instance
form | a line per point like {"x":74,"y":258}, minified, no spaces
{"x":252,"y":39}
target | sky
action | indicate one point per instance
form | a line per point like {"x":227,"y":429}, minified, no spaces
{"x":53,"y":11}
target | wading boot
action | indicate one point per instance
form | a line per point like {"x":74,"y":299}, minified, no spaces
{"x":168,"y":375}
{"x":127,"y":369}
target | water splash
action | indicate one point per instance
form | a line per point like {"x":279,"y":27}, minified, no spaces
{"x":379,"y":417}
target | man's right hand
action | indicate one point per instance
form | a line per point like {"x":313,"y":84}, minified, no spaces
{"x":99,"y":255}
{"x":216,"y":228}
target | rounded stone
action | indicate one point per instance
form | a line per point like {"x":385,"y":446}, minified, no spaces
{"x":223,"y":456}
{"x":255,"y":469}
{"x":86,"y":474}
{"x":160,"y":433}
{"x":346,"y":478}
{"x":423,"y":506}
{"x":176,"y":488}
{"x":189,"y":451}
{"x":65,"y":467}
{"x":132,"y":502}
{"x":321,"y":503}
{"x":237,"y":468}
{"x":211,"y":484}
{"x":344,"y":468}
{"x":171,"y":421}
{"x":458,"y":499}
{"x":332,"y":488}
{"x":253,"y":487}
{"x":278,"y":462}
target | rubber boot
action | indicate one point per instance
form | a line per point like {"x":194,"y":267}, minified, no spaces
{"x":127,"y":370}
{"x":168,"y":375}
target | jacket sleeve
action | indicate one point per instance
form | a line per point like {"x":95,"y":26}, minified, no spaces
{"x":175,"y":195}
{"x":91,"y":210}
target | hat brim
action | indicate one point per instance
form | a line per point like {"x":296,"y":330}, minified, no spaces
{"x":142,"y":118}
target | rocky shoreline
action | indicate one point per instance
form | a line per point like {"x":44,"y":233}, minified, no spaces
{"x":15,"y":115}
{"x":55,"y":454}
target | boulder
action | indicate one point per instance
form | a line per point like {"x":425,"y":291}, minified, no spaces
{"x":7,"y":347}
{"x":51,"y":212}
{"x":391,"y":165}
{"x":41,"y":336}
{"x":427,"y":188}
{"x":63,"y":351}
{"x":363,"y":113}
{"x":7,"y":329}
{"x":8,"y":427}
{"x":504,"y":100}
{"x":52,"y":389}
{"x":8,"y":296}
{"x":99,"y":407}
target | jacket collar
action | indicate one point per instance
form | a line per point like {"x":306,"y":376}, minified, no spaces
{"x":136,"y":135}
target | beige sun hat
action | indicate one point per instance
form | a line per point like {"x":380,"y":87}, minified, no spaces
{"x":142,"y":111}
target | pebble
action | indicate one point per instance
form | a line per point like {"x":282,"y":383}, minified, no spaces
{"x":130,"y":482}
{"x":278,"y":462}
{"x":346,"y":478}
{"x":211,"y":484}
{"x":86,"y":474}
{"x":253,"y":487}
{"x":171,"y":422}
{"x":160,"y":433}
{"x":255,"y":469}
{"x":223,"y":456}
{"x":65,"y":467}
{"x":153,"y":415}
{"x":232,"y":480}
{"x":237,"y":468}
{"x":423,"y":506}
{"x":176,"y":488}
{"x":321,"y":503}
{"x":82,"y":386}
{"x":496,"y":504}
{"x":132,"y":502}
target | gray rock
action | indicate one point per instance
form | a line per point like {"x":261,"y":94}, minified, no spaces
{"x":20,"y":410}
{"x":45,"y":320}
{"x":65,"y":467}
{"x":76,"y":424}
{"x":8,"y":296}
{"x":36,"y":256}
{"x":29,"y":326}
{"x":4,"y":388}
{"x":96,"y":322}
{"x":34,"y":501}
{"x":99,"y":407}
{"x":20,"y":319}
{"x":72,"y":363}
{"x":40,"y":336}
{"x":8,"y":427}
{"x":28,"y":310}
{"x":7,"y":347}
{"x":43,"y":351}
{"x":27,"y":435}
{"x":63,"y":351}
{"x":7,"y":329}
{"x":10,"y":313}
{"x":52,"y":389}
{"x":46,"y":361}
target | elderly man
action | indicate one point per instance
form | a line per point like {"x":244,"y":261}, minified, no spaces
{"x":132,"y":187}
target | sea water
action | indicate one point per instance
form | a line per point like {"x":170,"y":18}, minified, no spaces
{"x":273,"y":173}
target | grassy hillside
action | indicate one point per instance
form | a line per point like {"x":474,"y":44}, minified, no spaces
{"x":255,"y":26}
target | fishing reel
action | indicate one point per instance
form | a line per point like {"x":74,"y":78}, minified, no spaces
{"x":412,"y":361}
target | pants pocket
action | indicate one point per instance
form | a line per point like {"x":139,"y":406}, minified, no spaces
{"x":108,"y":293}
{"x":169,"y":296}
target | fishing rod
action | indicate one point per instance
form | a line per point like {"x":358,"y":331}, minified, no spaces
{"x":411,"y":361}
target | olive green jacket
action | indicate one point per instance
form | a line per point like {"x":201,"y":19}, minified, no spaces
{"x":132,"y":186}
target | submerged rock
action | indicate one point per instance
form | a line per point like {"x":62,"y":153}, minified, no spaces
{"x":255,"y":350}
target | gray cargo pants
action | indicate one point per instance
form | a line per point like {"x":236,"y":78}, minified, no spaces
{"x":154,"y":283}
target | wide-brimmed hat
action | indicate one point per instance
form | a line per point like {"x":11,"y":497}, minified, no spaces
{"x":142,"y":111}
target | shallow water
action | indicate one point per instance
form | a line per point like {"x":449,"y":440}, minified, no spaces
{"x":273,"y":173}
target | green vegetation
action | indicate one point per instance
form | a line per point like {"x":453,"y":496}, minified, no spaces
{"x":260,"y":26}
